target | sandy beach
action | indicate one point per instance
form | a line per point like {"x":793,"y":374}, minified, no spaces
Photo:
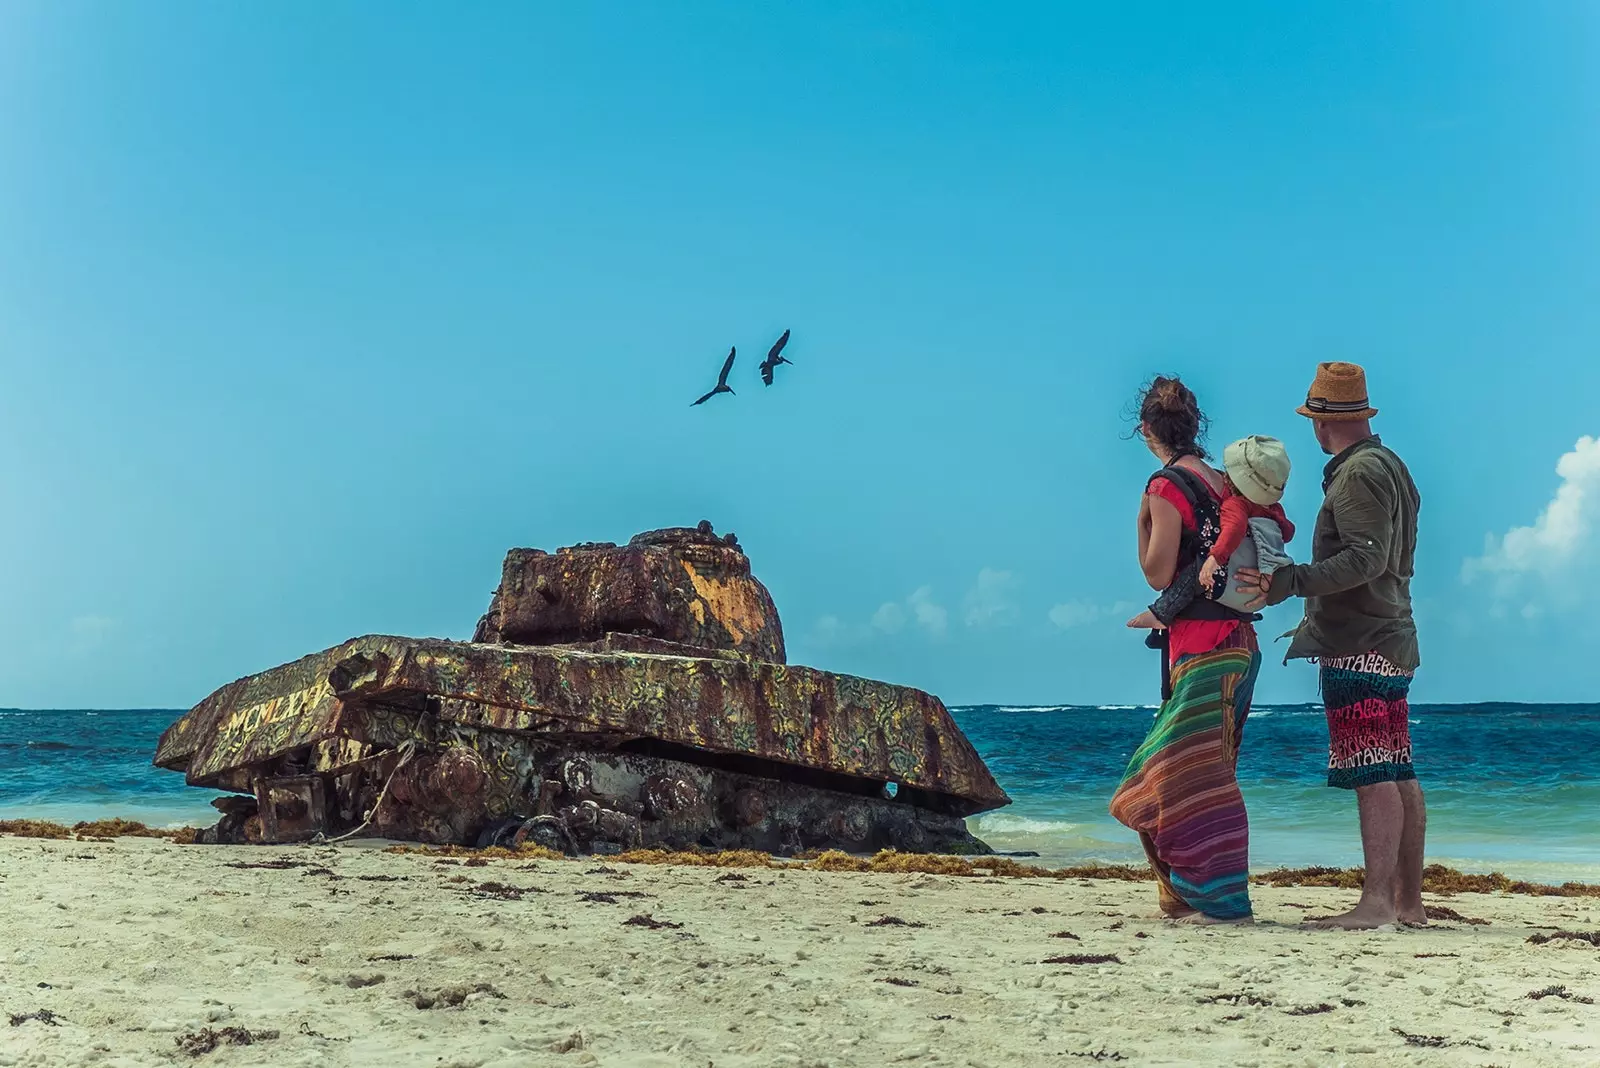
{"x":133,"y":948}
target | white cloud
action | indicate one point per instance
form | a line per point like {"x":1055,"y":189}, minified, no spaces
{"x":892,"y":617}
{"x":1074,"y":614}
{"x":889,"y":618}
{"x":1561,"y":541}
{"x":929,"y":614}
{"x":1081,"y":613}
{"x":992,"y":600}
{"x":830,"y":630}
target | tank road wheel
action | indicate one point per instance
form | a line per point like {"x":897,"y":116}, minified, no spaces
{"x":546,"y":831}
{"x":618,"y":831}
{"x":665,"y":795}
{"x":851,"y":826}
{"x":460,"y":777}
{"x":749,"y":809}
{"x":501,"y":832}
{"x":578,"y":777}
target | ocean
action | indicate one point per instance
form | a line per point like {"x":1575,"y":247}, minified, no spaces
{"x":1511,"y":788}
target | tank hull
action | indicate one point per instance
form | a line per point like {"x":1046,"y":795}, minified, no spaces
{"x":618,"y":743}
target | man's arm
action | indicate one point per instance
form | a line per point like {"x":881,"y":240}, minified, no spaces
{"x":1363,"y":505}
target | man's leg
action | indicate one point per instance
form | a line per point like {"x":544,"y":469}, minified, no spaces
{"x":1382,"y":828}
{"x":1408,"y":881}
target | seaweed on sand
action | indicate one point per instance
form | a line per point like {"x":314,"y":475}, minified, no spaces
{"x":522,"y":852}
{"x":1436,"y":879}
{"x":89,"y":830}
{"x":206,"y":1040}
{"x":1591,"y":937}
{"x":1559,"y":992}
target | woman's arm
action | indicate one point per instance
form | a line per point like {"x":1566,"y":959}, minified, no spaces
{"x":1160,"y":529}
{"x":1144,"y":525}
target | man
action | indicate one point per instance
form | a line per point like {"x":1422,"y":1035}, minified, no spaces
{"x":1358,"y":629}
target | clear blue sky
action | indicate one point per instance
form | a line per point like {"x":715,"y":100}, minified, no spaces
{"x":308,"y":311}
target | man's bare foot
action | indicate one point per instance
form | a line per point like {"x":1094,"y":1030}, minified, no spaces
{"x":1361,"y":918}
{"x":1414,"y":916}
{"x":1200,"y":919}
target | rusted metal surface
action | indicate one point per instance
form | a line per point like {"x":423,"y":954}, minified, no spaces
{"x":612,"y":697}
{"x":253,"y":719}
{"x":792,"y":715}
{"x":678,"y":585}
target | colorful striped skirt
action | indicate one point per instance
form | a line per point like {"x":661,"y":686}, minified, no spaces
{"x":1180,"y":792}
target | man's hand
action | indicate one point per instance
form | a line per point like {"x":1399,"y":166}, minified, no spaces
{"x":1248,"y":580}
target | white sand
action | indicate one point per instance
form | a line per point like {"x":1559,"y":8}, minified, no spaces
{"x":135,"y":943}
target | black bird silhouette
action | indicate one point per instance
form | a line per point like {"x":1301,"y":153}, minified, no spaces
{"x":774,"y":358}
{"x":722,"y":379}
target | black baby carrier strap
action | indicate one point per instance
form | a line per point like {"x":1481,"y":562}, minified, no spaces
{"x":1201,"y":502}
{"x":1192,"y":546}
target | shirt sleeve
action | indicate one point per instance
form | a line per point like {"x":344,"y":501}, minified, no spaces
{"x":1235,"y":522}
{"x":1163,"y":488}
{"x":1362,"y":504}
{"x":1284,"y":524}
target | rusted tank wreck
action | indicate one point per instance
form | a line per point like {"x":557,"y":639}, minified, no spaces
{"x":613,"y":697}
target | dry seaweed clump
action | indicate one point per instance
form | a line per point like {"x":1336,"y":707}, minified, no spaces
{"x":1126,"y":873}
{"x":119,"y":828}
{"x":885,"y":862}
{"x":95,"y":829}
{"x":732,"y":858}
{"x":1589,"y":937}
{"x":1436,"y":879}
{"x":1341,"y":878}
{"x":34,"y":829}
{"x":524,"y":852}
{"x":199,"y":1043}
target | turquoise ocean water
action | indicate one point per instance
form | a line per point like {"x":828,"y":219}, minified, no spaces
{"x":1513,"y":788}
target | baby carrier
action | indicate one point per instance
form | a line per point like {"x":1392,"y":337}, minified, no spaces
{"x":1184,"y":598}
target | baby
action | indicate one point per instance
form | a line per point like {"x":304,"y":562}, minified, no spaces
{"x":1257,"y":468}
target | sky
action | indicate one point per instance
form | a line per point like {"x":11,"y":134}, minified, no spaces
{"x":309,"y":311}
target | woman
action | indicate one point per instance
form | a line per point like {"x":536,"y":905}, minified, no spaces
{"x":1180,"y":792}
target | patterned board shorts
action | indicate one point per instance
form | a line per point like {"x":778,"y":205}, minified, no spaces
{"x":1369,"y":729}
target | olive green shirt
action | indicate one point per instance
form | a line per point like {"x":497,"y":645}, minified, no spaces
{"x":1358,"y":584}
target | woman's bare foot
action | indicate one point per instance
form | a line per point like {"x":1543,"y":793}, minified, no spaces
{"x":1364,"y":917}
{"x":1200,"y":919}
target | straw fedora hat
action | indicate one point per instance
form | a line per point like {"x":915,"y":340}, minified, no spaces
{"x":1258,"y":467}
{"x":1338,"y":394}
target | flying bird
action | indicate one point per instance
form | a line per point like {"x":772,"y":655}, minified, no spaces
{"x":722,"y":379}
{"x":774,"y":358}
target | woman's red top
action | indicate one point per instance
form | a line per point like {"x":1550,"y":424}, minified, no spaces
{"x":1191,"y":636}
